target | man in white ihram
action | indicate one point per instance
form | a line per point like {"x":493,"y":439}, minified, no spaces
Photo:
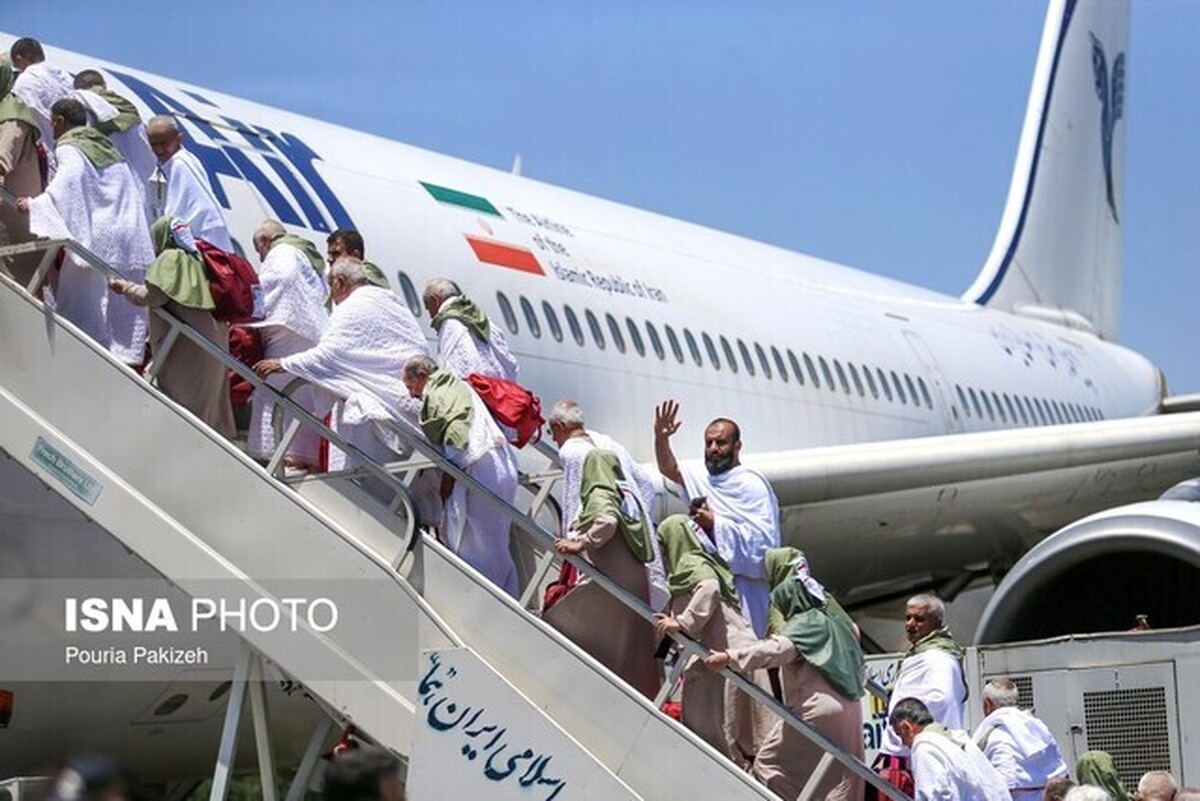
{"x":946,"y":763}
{"x":93,"y":199}
{"x":1017,"y":744}
{"x":40,"y":85}
{"x":294,"y":317}
{"x":468,"y":342}
{"x":189,"y":195}
{"x":371,"y":335}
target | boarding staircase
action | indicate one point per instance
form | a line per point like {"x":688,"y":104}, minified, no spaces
{"x":197,"y":510}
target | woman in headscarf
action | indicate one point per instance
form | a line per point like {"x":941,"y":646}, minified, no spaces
{"x":19,"y":172}
{"x":612,"y":533}
{"x":706,"y":607}
{"x":1096,"y":768}
{"x":815,"y":645}
{"x":176,"y":280}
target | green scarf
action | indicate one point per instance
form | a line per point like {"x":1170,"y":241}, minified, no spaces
{"x":466,"y":312}
{"x":127,"y":114}
{"x":376,"y":276}
{"x":178,"y":273}
{"x":304,"y":246}
{"x":1097,"y":769}
{"x":11,"y":106}
{"x":941,"y":640}
{"x":686,"y":563}
{"x":447,"y":410}
{"x":600,"y":491}
{"x":821,"y":631}
{"x":92,"y":144}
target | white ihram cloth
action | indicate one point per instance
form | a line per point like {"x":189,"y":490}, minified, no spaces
{"x":359,"y":359}
{"x":948,"y":766}
{"x":191,"y":199}
{"x":935,"y":678}
{"x":294,"y":319}
{"x":101,"y":210}
{"x":1022,"y":750}
{"x":472,"y":526}
{"x":745,"y":527}
{"x":40,"y":86}
{"x":571,"y":455}
{"x":135,"y":151}
{"x":461,"y":354}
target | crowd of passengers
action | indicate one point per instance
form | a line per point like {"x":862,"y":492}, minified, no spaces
{"x":84,"y":166}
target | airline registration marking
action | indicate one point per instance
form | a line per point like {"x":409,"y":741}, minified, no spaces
{"x":81,"y":483}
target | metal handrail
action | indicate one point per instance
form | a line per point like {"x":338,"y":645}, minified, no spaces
{"x":689,"y":646}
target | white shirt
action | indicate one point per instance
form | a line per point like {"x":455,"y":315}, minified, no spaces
{"x":191,"y":199}
{"x":949,"y":768}
{"x":1022,"y":750}
{"x":935,"y":678}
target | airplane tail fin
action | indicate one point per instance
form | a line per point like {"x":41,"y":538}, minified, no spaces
{"x":1057,"y":254}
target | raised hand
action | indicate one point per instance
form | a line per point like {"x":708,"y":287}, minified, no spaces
{"x":666,"y":421}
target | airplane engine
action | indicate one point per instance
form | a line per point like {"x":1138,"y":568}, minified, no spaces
{"x":1099,"y":573}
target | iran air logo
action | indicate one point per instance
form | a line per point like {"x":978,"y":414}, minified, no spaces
{"x":1111,"y":92}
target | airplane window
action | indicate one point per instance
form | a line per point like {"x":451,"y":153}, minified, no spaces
{"x":866,"y":371}
{"x":594,"y":325}
{"x":655,"y":342}
{"x":1043,"y":412}
{"x":1012,"y":411}
{"x":925,"y":392}
{"x":614,"y":328}
{"x":812,"y":371}
{"x":1095,"y":415}
{"x":573,"y":324}
{"x":410,"y":294}
{"x":506,"y":309}
{"x":854,"y":377}
{"x":1020,"y":410}
{"x":796,"y":371}
{"x":534,"y":327}
{"x":987,"y":404}
{"x":552,"y":321}
{"x":779,"y":365}
{"x":712,"y":352}
{"x":825,"y":372}
{"x":883,"y":383}
{"x":1101,"y":413}
{"x":1029,"y":408}
{"x":999,"y":408}
{"x":730,"y":359}
{"x":1058,"y":412}
{"x":1075,"y":413}
{"x":636,"y":336}
{"x":962,"y":399}
{"x":841,"y":374}
{"x":899,"y":387}
{"x":673,"y":339}
{"x":762,"y":359}
{"x":975,"y":403}
{"x":746,"y":357}
{"x":912,"y":389}
{"x":695,"y":351}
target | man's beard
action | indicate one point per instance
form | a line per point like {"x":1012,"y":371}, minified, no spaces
{"x":718,"y":464}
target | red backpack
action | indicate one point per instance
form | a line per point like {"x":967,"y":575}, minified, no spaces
{"x":234,"y":283}
{"x":511,"y":405}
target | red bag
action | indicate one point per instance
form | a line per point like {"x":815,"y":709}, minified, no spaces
{"x":512,"y":405}
{"x":245,"y":345}
{"x":568,"y":576}
{"x":234,"y":284}
{"x":894,"y":770}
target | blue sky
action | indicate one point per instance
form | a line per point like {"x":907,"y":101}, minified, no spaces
{"x":876,"y":134}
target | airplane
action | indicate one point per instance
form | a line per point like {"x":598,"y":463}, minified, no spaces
{"x":915,"y":440}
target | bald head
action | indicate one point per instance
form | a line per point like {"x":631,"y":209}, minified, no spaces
{"x":266,"y":233}
{"x":165,"y":137}
{"x":1157,"y":785}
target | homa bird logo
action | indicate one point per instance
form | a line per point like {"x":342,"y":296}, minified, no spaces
{"x":1111,"y":92}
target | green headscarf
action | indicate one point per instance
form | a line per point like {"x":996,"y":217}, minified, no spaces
{"x":178,"y":273}
{"x":376,"y":276}
{"x":600,"y":492}
{"x":447,"y":410}
{"x":941,"y":640}
{"x":11,"y":106}
{"x":127,"y":113}
{"x":1097,"y":769}
{"x":304,"y":246}
{"x":466,"y":312}
{"x":92,"y":144}
{"x":823,"y":636}
{"x":686,"y":563}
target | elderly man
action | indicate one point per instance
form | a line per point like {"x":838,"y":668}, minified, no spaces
{"x":468,"y":342}
{"x":18,"y":172}
{"x":39,"y":85}
{"x":189,"y":195}
{"x":454,"y":419}
{"x":293,"y":321}
{"x":370,"y":336}
{"x":575,"y":441}
{"x":125,"y":128}
{"x":1017,"y":744}
{"x":733,"y":504}
{"x":1156,"y":785}
{"x":349,"y":242}
{"x":93,"y":199}
{"x":946,"y":763}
